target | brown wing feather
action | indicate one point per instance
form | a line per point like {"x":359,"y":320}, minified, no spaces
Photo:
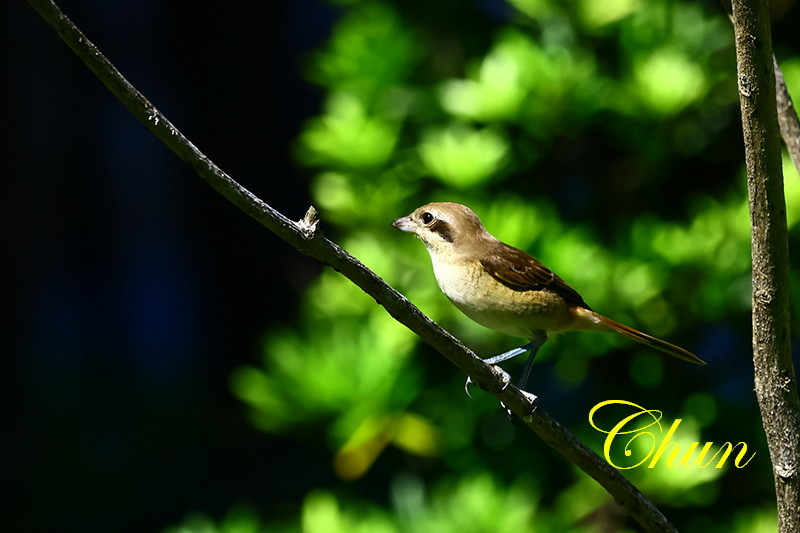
{"x":520,"y":271}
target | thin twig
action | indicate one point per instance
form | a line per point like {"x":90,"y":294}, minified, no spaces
{"x":308,"y":239}
{"x":787,"y":113}
{"x":787,"y":117}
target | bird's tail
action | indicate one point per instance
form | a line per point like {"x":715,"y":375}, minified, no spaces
{"x":638,"y":336}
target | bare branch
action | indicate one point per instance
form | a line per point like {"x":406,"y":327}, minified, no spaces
{"x":306,"y":237}
{"x":775,"y":380}
{"x":787,"y":117}
{"x":787,"y":113}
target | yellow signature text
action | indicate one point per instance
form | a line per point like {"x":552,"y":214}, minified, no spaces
{"x":654,"y":445}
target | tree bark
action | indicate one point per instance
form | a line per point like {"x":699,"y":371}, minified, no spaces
{"x":787,"y":113}
{"x":787,"y":117}
{"x":775,"y":380}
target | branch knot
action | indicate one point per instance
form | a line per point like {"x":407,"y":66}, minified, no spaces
{"x":308,"y":224}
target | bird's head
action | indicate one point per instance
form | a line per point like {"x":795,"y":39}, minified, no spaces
{"x":444,"y":226}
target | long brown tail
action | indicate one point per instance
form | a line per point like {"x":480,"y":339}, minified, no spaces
{"x":638,"y":336}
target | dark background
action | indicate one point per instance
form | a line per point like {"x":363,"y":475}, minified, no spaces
{"x":132,"y":288}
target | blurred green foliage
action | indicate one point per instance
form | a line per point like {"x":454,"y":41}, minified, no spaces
{"x":600,"y":136}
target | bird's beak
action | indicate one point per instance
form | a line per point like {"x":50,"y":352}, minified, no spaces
{"x":405,"y":224}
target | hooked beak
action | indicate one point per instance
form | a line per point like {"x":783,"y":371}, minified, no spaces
{"x":405,"y":224}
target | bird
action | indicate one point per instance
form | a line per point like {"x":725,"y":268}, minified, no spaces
{"x":506,"y":289}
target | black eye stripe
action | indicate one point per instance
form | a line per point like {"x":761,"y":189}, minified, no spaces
{"x":443,"y":229}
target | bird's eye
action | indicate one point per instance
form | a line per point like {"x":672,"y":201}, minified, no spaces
{"x":427,"y":218}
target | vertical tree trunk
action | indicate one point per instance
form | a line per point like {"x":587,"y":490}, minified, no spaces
{"x":775,"y":380}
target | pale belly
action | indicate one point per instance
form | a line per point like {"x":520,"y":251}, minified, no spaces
{"x":492,"y":304}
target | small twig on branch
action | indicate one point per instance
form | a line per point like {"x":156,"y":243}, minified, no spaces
{"x":306,"y":237}
{"x":775,"y":380}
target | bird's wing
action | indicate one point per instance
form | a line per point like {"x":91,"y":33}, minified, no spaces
{"x":520,"y":271}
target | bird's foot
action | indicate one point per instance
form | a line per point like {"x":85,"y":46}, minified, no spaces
{"x":506,"y":378}
{"x":505,"y":356}
{"x":533,"y":402}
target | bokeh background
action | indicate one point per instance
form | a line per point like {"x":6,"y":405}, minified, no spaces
{"x":171,"y":366}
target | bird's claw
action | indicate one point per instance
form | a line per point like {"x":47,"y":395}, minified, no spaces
{"x":467,"y":384}
{"x":509,"y":412}
{"x":533,"y":401}
{"x":504,"y":376}
{"x":506,"y":379}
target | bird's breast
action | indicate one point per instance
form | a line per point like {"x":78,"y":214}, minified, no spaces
{"x":490,"y":303}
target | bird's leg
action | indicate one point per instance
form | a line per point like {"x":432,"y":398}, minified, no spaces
{"x":538,"y":338}
{"x":533,"y":346}
{"x":505,"y":356}
{"x":536,"y":343}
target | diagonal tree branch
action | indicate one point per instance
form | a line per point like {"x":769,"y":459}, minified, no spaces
{"x":775,"y":380}
{"x":305,"y":237}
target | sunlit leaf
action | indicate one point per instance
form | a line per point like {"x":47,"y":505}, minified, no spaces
{"x":668,"y":81}
{"x":347,"y":136}
{"x":595,"y":14}
{"x":462,"y":156}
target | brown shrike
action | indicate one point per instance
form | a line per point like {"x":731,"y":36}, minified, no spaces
{"x":505,"y":289}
